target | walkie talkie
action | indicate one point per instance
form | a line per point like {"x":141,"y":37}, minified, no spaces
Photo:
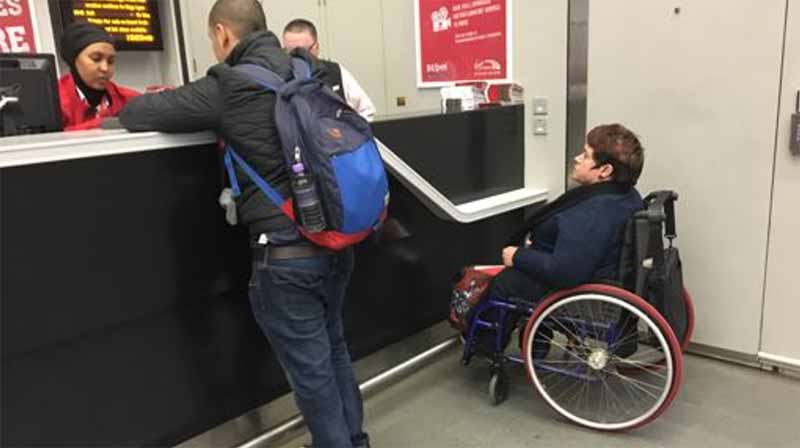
{"x":794,"y":139}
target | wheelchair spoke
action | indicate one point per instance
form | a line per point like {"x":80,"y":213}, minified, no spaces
{"x":577,"y":397}
{"x":562,"y":379}
{"x":567,"y":351}
{"x":650,"y":368}
{"x":638,"y":385}
{"x":556,"y":361}
{"x":567,"y":331}
{"x":644,"y":352}
{"x":614,"y":400}
{"x":627,"y":338}
{"x":593,"y":320}
{"x":568,"y":388}
{"x":602,"y":403}
{"x":573,"y":316}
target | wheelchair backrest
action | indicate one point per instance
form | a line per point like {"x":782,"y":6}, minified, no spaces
{"x":643,"y":246}
{"x":651,"y":267}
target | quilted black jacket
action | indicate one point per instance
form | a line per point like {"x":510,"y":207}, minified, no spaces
{"x":242,"y":114}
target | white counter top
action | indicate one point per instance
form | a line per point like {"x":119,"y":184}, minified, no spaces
{"x":54,"y":147}
{"x":43,"y":148}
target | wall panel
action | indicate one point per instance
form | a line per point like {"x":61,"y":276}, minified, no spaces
{"x":703,"y":96}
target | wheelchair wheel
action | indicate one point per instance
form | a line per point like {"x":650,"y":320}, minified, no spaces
{"x":584,"y":377}
{"x":646,"y":338}
{"x":498,"y":388}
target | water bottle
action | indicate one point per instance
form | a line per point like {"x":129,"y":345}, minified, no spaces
{"x":307,"y":203}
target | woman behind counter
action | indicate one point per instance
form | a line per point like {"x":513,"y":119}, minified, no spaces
{"x":87,"y":93}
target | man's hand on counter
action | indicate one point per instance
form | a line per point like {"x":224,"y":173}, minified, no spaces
{"x":111,"y":123}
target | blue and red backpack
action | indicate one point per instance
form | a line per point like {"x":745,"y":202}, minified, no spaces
{"x":338,"y":148}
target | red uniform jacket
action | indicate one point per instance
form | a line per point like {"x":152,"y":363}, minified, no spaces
{"x":73,"y":107}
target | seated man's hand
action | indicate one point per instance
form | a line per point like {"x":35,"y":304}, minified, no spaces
{"x":508,"y":255}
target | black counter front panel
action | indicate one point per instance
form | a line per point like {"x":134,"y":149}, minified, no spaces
{"x":465,"y":155}
{"x":125,"y":318}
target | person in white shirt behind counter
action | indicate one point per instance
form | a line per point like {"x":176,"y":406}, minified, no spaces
{"x":303,"y":34}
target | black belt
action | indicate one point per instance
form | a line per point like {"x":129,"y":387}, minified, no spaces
{"x":289,"y":252}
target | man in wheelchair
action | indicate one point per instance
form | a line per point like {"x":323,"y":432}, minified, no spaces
{"x":597,"y":297}
{"x":571,"y":241}
{"x":577,"y":238}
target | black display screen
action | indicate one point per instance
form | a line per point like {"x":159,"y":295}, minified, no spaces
{"x":135,"y":24}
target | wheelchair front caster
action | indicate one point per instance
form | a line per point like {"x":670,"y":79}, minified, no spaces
{"x":498,"y":388}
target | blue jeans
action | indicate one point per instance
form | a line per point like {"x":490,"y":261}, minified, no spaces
{"x":298,"y":305}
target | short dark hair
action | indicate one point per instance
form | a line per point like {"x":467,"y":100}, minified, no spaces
{"x":300,"y":26}
{"x":620,"y":147}
{"x":241,"y":16}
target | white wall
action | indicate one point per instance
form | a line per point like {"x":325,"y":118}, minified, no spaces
{"x":169,"y":59}
{"x":199,"y":56}
{"x":357,"y":44}
{"x":540,"y":65}
{"x":701,"y":88}
{"x":540,"y":62}
{"x":400,"y":61}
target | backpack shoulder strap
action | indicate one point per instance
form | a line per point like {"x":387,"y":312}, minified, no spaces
{"x":301,"y":67}
{"x":231,"y":159}
{"x":264,"y":77}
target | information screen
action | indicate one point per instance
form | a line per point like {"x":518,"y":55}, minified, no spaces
{"x":134,"y":23}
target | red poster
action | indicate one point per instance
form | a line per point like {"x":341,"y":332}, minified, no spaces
{"x":462,"y":40}
{"x":17,"y":31}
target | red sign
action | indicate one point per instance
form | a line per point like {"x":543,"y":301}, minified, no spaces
{"x":17,"y":33}
{"x":463,"y":40}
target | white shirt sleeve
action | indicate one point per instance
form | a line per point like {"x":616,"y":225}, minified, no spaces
{"x":355,"y":96}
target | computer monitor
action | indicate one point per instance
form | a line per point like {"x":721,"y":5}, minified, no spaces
{"x":29,"y":94}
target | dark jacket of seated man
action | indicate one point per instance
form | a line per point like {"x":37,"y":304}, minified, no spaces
{"x":577,"y":238}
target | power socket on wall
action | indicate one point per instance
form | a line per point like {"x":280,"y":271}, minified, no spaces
{"x":540,"y":125}
{"x":540,"y":112}
{"x":540,"y":106}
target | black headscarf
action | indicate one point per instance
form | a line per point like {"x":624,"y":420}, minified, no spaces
{"x":76,"y":37}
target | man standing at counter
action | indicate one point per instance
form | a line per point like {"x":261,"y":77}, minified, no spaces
{"x":296,"y":289}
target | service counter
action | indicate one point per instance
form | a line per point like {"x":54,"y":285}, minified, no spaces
{"x":125,"y":318}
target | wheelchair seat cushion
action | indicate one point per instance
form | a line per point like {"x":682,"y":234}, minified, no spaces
{"x":470,"y":286}
{"x":515,"y":285}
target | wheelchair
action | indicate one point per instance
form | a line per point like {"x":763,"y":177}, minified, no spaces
{"x":605,"y":355}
